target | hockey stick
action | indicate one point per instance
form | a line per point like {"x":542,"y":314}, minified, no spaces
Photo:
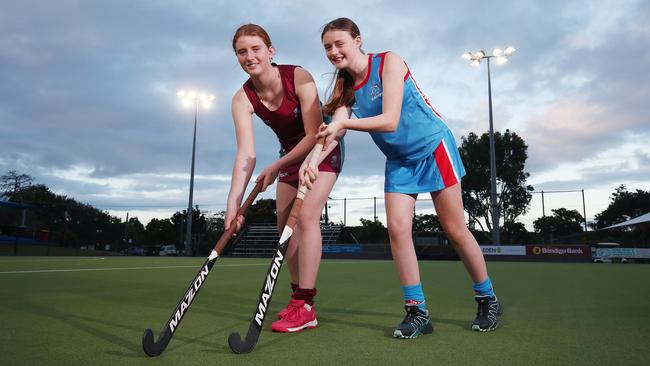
{"x":154,"y":348}
{"x":235,"y":341}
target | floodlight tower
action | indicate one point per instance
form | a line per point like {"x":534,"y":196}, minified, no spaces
{"x":196,"y":99}
{"x":501,"y":57}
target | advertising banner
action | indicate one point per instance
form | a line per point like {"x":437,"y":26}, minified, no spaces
{"x":616,"y":252}
{"x":622,"y":253}
{"x":503,"y":249}
{"x":642,"y":253}
{"x":338,"y":248}
{"x":559,"y":252}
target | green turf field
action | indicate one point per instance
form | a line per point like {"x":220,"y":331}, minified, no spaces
{"x":93,"y":312}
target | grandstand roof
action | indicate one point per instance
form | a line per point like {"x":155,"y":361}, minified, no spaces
{"x":634,"y":221}
{"x":12,"y":204}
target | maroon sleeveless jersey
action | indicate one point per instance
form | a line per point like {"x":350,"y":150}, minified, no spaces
{"x":286,"y":122}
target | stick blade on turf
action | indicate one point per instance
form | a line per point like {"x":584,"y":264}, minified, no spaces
{"x":238,"y":345}
{"x":152,"y":348}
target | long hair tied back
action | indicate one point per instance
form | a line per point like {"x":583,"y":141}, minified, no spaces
{"x":342,"y":84}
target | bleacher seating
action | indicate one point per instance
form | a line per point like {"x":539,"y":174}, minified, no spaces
{"x":261,"y":240}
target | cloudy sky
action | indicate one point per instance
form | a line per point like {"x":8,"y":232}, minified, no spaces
{"x":88,"y":101}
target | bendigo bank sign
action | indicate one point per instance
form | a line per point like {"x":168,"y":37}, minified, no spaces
{"x":558,"y":251}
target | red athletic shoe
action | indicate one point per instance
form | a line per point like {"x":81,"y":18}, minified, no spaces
{"x":282,"y":313}
{"x":299,"y":316}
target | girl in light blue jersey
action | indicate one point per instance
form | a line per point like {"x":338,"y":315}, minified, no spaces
{"x":421,"y":157}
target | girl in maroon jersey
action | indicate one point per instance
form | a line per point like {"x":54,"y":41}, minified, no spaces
{"x":285,"y":98}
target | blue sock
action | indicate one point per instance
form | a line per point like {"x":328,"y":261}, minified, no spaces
{"x":484,"y":288}
{"x":414,"y":293}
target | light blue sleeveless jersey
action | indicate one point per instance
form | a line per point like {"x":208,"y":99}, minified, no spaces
{"x":421,"y":154}
{"x":420,"y":128}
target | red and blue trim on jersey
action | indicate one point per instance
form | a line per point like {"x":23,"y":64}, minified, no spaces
{"x":421,"y":153}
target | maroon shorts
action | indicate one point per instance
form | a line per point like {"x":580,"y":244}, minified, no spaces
{"x":332,"y":163}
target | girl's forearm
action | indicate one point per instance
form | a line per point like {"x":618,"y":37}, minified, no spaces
{"x":241,"y":174}
{"x":299,"y":152}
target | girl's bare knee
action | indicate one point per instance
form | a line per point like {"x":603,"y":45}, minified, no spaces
{"x":308,"y":220}
{"x":459,"y":235}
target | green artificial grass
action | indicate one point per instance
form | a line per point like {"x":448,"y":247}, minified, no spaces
{"x":93,"y":311}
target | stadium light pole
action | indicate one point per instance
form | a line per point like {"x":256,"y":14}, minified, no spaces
{"x":196,"y":99}
{"x":501,"y":57}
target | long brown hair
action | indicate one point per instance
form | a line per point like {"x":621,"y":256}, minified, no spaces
{"x":343,"y":83}
{"x":251,"y":30}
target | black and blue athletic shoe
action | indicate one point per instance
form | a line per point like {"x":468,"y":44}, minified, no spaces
{"x":415,"y":322}
{"x":487,"y":315}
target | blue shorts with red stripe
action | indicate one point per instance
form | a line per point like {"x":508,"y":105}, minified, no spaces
{"x":440,"y":170}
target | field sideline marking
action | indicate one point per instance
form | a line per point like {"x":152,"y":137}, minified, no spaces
{"x":9,"y":260}
{"x":157,"y":267}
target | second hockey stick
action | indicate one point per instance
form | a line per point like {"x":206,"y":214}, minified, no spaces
{"x":246,"y":345}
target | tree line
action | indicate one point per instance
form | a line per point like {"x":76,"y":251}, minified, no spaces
{"x":69,"y":223}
